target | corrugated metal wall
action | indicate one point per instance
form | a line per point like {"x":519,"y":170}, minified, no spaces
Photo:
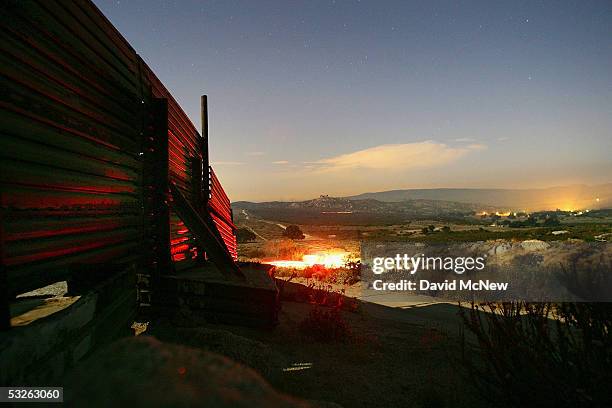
{"x":221,"y":212}
{"x":70,"y":163}
{"x":75,"y":104}
{"x":184,"y":145}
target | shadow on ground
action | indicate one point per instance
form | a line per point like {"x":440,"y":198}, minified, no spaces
{"x":394,"y":357}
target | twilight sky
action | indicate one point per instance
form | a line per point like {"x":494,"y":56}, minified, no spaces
{"x":343,"y":97}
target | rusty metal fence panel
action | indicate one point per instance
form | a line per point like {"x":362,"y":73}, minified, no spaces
{"x":70,"y":150}
{"x":183,"y":147}
{"x":76,"y":130}
{"x":220,"y":210}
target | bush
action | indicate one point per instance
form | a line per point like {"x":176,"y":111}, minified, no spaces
{"x":541,"y":354}
{"x":245,"y":235}
{"x":293,"y":232}
{"x":326,"y":325}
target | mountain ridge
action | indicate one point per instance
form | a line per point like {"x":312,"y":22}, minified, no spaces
{"x":577,"y":196}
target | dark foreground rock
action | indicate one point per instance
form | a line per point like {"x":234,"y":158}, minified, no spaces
{"x":142,"y":371}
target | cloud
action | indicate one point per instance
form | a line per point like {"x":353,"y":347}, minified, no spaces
{"x":503,"y":138}
{"x":425,"y":154}
{"x":476,"y":146}
{"x":465,"y":140}
{"x":227,"y":163}
{"x":255,"y":153}
{"x":280,"y":162}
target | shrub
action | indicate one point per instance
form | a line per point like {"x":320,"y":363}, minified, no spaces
{"x":293,"y":232}
{"x":326,"y":325}
{"x":245,"y":235}
{"x":541,"y":354}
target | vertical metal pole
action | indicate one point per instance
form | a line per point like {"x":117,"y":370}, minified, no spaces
{"x":204,"y":149}
{"x":205,"y":164}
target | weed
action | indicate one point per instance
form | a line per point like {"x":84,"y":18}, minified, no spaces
{"x":541,"y":354}
{"x":326,"y":325}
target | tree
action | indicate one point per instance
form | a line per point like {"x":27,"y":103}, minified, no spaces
{"x":245,"y":235}
{"x":446,"y":229}
{"x":552,"y":221}
{"x":293,"y":232}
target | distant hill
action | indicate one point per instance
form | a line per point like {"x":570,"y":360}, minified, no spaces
{"x":340,"y":204}
{"x":566,"y":197}
{"x":337,"y":210}
{"x":398,"y":206}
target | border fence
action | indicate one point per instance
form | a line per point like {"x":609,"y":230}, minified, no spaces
{"x":91,"y":141}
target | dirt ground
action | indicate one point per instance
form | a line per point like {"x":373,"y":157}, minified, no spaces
{"x":394,"y":357}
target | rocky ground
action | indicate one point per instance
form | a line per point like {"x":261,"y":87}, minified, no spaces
{"x":389,"y":357}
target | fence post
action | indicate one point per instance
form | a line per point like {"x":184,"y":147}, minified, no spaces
{"x":204,"y":149}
